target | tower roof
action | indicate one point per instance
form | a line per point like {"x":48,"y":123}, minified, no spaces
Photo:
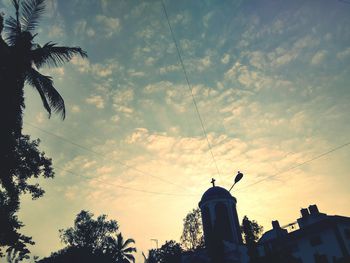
{"x":216,"y":192}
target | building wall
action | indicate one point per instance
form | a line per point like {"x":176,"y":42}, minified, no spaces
{"x":344,"y":230}
{"x":329,"y":246}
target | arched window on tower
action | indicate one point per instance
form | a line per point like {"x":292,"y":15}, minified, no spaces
{"x":207,"y":226}
{"x":222,"y":223}
{"x":237,"y":226}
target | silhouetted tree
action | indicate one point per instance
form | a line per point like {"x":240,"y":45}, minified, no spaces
{"x":77,"y":255}
{"x":170,"y":252}
{"x":153,"y":256}
{"x":20,"y":60}
{"x":25,"y":58}
{"x":99,"y":237}
{"x":87,"y":232}
{"x":12,"y":256}
{"x":120,"y":250}
{"x":29,"y":163}
{"x":251,"y":232}
{"x":192,"y":234}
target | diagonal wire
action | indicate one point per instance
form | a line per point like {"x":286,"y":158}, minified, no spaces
{"x":125,"y":187}
{"x":298,"y":165}
{"x":100,"y":154}
{"x":189,"y":86}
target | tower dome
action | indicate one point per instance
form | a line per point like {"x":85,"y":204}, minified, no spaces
{"x":219,"y":216}
{"x":216,"y":192}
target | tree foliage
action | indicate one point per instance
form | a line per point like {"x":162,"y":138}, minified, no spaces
{"x":192,"y":235}
{"x":23,"y":59}
{"x":75,"y":254}
{"x":29,"y":163}
{"x":251,"y":230}
{"x":91,"y":233}
{"x":169,"y":252}
{"x":93,"y":240}
{"x":20,"y":60}
{"x":120,"y":250}
{"x":251,"y":233}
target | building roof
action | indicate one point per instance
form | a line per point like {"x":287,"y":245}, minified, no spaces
{"x":317,"y":227}
{"x":216,"y":192}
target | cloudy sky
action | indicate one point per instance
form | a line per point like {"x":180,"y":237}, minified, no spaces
{"x":271,"y":82}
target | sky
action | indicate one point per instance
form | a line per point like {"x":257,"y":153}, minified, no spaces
{"x":271,"y":82}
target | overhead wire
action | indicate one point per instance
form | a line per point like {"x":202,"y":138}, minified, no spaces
{"x":297,"y":166}
{"x":102,"y":155}
{"x":124,"y":187}
{"x":190,"y":87}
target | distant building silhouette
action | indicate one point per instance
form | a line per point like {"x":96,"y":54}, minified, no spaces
{"x":319,"y":238}
{"x":315,"y":237}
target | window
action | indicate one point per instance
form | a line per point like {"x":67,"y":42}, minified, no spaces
{"x":315,"y":241}
{"x":222,"y":223}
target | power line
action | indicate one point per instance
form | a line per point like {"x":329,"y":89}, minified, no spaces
{"x":189,"y":86}
{"x":124,"y":187}
{"x":100,"y":154}
{"x":298,"y":165}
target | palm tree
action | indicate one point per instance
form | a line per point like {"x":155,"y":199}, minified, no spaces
{"x":25,"y":58}
{"x":20,"y":60}
{"x":121,"y":251}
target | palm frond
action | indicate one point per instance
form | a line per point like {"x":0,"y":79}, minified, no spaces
{"x":15,"y":3}
{"x":31,"y":12}
{"x":54,"y":56}
{"x":12,"y":31}
{"x":130,"y":257}
{"x":129,"y":250}
{"x":128,"y":242}
{"x":34,"y":82}
{"x":52,"y":100}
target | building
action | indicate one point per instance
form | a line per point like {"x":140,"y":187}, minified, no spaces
{"x":221,"y":228}
{"x":315,"y":237}
{"x":320,"y":238}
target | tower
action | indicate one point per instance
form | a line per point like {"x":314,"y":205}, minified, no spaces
{"x":220,"y":220}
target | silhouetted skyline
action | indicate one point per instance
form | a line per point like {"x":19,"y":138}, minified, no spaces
{"x":271,"y":83}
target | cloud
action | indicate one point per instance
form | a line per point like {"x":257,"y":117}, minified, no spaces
{"x":206,"y":18}
{"x":81,"y":28}
{"x":344,"y":54}
{"x":83,"y":65}
{"x":104,"y":170}
{"x":225,"y":59}
{"x":103,"y":70}
{"x":158,"y":86}
{"x":100,"y":70}
{"x":121,"y":101}
{"x":134,"y":73}
{"x":115,"y":118}
{"x":247,"y":77}
{"x":96,"y":100}
{"x":40,"y":118}
{"x":56,"y":31}
{"x":169,"y":68}
{"x":75,"y":109}
{"x":319,"y":57}
{"x":198,"y":64}
{"x":110,"y":25}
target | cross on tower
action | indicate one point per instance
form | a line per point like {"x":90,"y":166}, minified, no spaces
{"x":213,"y":182}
